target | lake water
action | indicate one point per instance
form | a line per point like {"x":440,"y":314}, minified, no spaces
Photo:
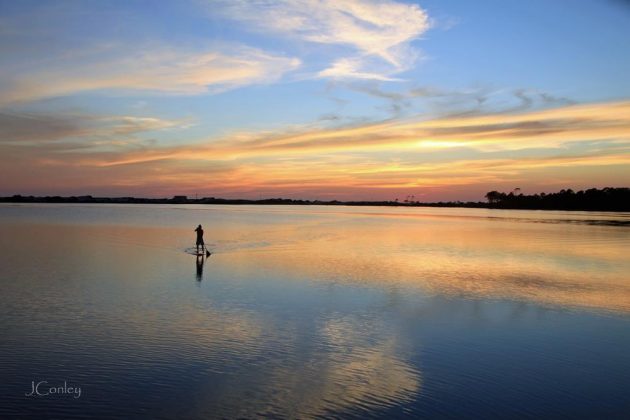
{"x":313,"y":312}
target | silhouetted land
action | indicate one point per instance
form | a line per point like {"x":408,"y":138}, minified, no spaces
{"x":615,"y":199}
{"x":605,"y":199}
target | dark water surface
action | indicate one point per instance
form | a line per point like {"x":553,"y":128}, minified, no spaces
{"x":313,"y":311}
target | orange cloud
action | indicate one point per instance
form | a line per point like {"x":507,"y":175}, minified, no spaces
{"x":554,"y":128}
{"x":412,"y":155}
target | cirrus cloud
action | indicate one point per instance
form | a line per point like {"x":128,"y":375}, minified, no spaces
{"x":379,"y":33}
{"x":151,"y":69}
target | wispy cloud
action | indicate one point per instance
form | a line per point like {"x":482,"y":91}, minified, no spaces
{"x":551,"y":128}
{"x":443,"y":153}
{"x":69,"y":132}
{"x":378,"y":33}
{"x":156,"y":69}
{"x":458,"y":102}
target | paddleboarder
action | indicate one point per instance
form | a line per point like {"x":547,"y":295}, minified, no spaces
{"x":200,"y":242}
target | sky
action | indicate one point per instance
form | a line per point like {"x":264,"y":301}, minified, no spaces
{"x":313,"y":99}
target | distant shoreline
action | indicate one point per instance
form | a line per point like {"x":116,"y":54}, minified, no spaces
{"x":236,"y":201}
{"x":606,"y":199}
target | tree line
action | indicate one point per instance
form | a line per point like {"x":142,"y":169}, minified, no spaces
{"x":605,"y":199}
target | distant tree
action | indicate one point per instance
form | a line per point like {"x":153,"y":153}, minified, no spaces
{"x":610,"y":199}
{"x":493,"y":196}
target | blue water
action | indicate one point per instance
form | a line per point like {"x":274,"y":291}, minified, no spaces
{"x":313,"y":312}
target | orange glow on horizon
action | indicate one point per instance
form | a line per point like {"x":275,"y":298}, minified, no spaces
{"x":387,"y":157}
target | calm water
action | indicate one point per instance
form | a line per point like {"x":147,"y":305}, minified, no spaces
{"x":314,"y":311}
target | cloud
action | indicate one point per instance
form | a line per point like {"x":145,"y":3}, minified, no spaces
{"x":156,"y":69}
{"x":462,"y":102}
{"x":375,"y":159}
{"x":25,"y":127}
{"x":379,"y":33}
{"x":551,"y":128}
{"x":67,"y":132}
{"x":355,"y":68}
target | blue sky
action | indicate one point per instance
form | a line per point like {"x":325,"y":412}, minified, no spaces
{"x":87,"y":88}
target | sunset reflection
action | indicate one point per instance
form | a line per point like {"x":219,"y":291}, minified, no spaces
{"x":482,"y":258}
{"x":303,"y":311}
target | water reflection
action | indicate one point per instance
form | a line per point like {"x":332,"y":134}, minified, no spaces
{"x":563,"y":265}
{"x":200,"y":260}
{"x":314,"y":314}
{"x":440,"y":275}
{"x":362,"y":370}
{"x":469,"y":252}
{"x":347,"y":365}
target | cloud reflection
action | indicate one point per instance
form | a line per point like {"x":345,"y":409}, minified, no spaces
{"x":352,"y":367}
{"x":473,"y":257}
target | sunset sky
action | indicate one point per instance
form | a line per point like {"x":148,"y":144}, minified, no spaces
{"x":339,"y":99}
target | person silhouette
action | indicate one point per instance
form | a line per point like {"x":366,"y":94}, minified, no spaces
{"x":200,"y":242}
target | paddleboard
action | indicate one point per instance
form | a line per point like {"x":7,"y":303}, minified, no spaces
{"x":193,"y":251}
